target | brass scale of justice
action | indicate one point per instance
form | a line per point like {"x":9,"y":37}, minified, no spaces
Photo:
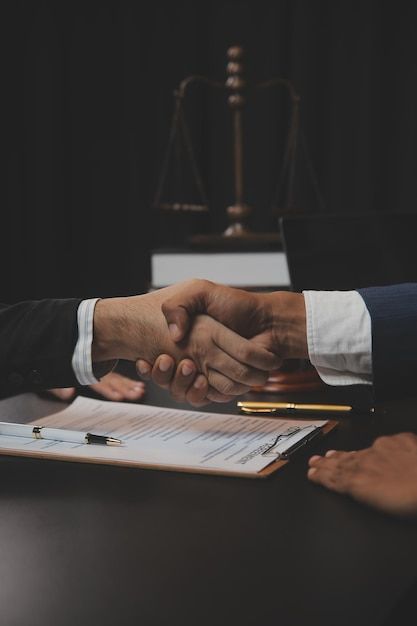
{"x":298,"y":376}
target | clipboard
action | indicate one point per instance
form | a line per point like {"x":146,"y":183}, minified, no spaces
{"x":275,"y":465}
{"x":143,"y":458}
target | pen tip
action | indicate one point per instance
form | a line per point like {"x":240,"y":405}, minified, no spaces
{"x":112,"y":441}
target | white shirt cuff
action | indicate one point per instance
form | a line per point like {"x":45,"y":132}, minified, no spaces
{"x":339,"y":336}
{"x":81,"y":359}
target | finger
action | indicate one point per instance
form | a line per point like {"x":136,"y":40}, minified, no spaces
{"x":234,"y":370}
{"x":334,"y":472}
{"x":178,"y":320}
{"x":117,"y":387}
{"x":179,"y":309}
{"x":197,"y":393}
{"x":136,"y":391}
{"x":330,"y":453}
{"x":178,"y":324}
{"x":144,"y":369}
{"x":183,"y":379}
{"x":314,"y":460}
{"x":246,"y":352}
{"x":216,"y":396}
{"x":163,"y":370}
{"x":327,"y":478}
{"x":105,"y":389}
{"x":64,"y":394}
{"x":129,"y":389}
{"x":225,"y":385}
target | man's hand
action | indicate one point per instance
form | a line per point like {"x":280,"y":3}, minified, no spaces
{"x":383,"y":476}
{"x":113,"y":386}
{"x":275,"y":320}
{"x":182,"y":380}
{"x":134,"y":328}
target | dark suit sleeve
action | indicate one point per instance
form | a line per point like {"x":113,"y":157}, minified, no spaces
{"x":37,"y":342}
{"x":393,"y":312}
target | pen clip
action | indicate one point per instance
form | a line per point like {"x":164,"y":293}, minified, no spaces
{"x":246,"y":409}
{"x":318,"y":430}
{"x":300,"y":444}
{"x":292,"y":430}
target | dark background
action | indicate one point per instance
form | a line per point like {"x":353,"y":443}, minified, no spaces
{"x":87,"y":94}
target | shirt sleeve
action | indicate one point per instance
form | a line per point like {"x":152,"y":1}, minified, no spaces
{"x":81,"y":359}
{"x":339,"y":336}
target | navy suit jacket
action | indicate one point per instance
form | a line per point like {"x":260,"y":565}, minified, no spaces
{"x":393,"y":312}
{"x":37,"y":341}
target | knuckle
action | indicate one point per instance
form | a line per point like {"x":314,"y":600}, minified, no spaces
{"x":196,"y":397}
{"x":215,"y":396}
{"x":250,"y":375}
{"x":168,"y":305}
{"x":407,"y":436}
{"x":243,"y":373}
{"x":177,"y":396}
{"x":405,"y":440}
{"x":245,"y":353}
{"x":198,"y":403}
{"x":381,"y":442}
{"x":162,"y":378}
{"x":197,"y":285}
{"x":226,"y":387}
{"x":231,"y":388}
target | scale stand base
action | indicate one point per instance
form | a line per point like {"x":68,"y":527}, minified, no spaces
{"x":244,"y":241}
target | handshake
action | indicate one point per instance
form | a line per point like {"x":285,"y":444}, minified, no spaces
{"x":203,"y":341}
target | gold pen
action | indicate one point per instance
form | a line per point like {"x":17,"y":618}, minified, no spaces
{"x":295,"y":407}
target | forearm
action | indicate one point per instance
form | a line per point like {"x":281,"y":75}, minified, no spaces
{"x":107,"y":330}
{"x":37,"y":339}
{"x":331,"y":328}
{"x":339,"y":336}
{"x":393,"y":312}
{"x":287,"y":319}
{"x":130,"y":328}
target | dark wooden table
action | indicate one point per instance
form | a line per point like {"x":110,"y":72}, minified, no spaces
{"x":98,"y":545}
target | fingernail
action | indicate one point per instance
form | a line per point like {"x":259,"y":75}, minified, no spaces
{"x":174,"y":330}
{"x":138,"y":387}
{"x":330,"y":452}
{"x":199,"y":383}
{"x":144,"y":368}
{"x":311,"y":471}
{"x":314,"y":458}
{"x":187,"y":369}
{"x":164,"y":365}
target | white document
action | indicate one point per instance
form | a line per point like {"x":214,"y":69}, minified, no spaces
{"x":166,"y":438}
{"x":237,"y":269}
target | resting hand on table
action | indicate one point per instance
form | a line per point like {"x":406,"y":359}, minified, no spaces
{"x":383,"y":476}
{"x":113,"y":386}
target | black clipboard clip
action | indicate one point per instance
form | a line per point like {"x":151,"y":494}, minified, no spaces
{"x":318,"y":431}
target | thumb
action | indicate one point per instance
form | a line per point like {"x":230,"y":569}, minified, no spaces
{"x":178,"y":320}
{"x":191,"y":299}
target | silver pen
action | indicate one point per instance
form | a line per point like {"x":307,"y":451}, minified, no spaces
{"x":55,"y":434}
